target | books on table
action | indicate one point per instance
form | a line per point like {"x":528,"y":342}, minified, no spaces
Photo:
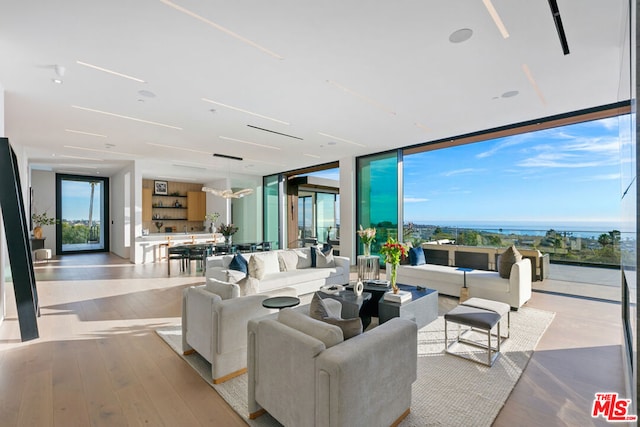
{"x":400,"y":297}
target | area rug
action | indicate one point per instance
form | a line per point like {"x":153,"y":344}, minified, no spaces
{"x":449,"y":391}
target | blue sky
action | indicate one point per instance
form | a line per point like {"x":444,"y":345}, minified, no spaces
{"x":556,"y":176}
{"x":566,"y":175}
{"x":75,"y":200}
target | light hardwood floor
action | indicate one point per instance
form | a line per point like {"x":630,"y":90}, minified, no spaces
{"x":99,"y":362}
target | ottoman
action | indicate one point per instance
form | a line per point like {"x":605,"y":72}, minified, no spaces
{"x":499,"y":307}
{"x":478,"y":319}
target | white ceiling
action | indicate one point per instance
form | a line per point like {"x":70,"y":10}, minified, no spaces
{"x":349,"y":78}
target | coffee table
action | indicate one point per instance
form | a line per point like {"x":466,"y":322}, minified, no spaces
{"x":422,"y":309}
{"x":280,"y":302}
{"x":351,"y":303}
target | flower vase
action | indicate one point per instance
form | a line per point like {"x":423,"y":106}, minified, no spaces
{"x":228,"y":240}
{"x":367,"y":249}
{"x":394,"y":274}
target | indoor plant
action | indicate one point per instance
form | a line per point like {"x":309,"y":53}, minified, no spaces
{"x":394,"y":252}
{"x":39,"y":220}
{"x":227,"y":230}
{"x":367,"y":235}
{"x":213,"y":217}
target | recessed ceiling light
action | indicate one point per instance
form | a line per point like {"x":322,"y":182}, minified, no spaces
{"x":244,"y":111}
{"x":341,"y":139}
{"x":101,"y":151}
{"x":362,"y":97}
{"x":153,"y":144}
{"x":532,"y":81}
{"x":146,"y":93}
{"x":226,"y":138}
{"x":57,"y":81}
{"x":461,"y":35}
{"x":496,"y":18}
{"x":106,"y":70}
{"x":93,"y":159}
{"x":126,"y":117}
{"x":221,"y":28}
{"x":510,"y":94}
{"x":85,"y":133}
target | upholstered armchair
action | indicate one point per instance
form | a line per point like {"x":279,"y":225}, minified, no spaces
{"x":214,"y":324}
{"x":303,"y":373}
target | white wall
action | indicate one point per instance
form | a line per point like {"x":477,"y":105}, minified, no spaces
{"x":122,"y":212}
{"x":43,"y":184}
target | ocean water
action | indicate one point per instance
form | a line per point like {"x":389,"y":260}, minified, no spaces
{"x":574,"y":229}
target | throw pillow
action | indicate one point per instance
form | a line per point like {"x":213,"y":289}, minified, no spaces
{"x":325,"y":260}
{"x":416,"y":256}
{"x":256,"y":267}
{"x":288,"y":260}
{"x":317,"y":308}
{"x":304,"y":258}
{"x":508,"y":258}
{"x":248,"y":286}
{"x":239,"y":263}
{"x":350,"y":327}
{"x":313,"y":257}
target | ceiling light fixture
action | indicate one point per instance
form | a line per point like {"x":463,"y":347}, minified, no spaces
{"x":101,"y":151}
{"x":533,"y":83}
{"x":228,"y":193}
{"x":173,"y":147}
{"x":461,"y":35}
{"x":311,"y":155}
{"x":223,"y":29}
{"x":362,"y":97}
{"x":244,"y":111}
{"x":93,"y":159}
{"x":106,"y":70}
{"x":496,"y":18}
{"x":126,"y":117}
{"x":226,"y":138}
{"x":85,"y":133}
{"x":341,"y":139}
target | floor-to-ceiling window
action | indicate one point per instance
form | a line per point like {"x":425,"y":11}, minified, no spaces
{"x":377,"y":196}
{"x":271,"y":211}
{"x":82,"y":206}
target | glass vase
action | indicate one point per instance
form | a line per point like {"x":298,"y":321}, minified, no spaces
{"x":367,"y":249}
{"x":228,"y":240}
{"x":393,"y":278}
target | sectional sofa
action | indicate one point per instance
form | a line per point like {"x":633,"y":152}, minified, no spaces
{"x":449,"y":280}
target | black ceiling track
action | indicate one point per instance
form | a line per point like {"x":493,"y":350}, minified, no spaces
{"x":226,"y":156}
{"x":273,"y":131}
{"x":553,"y":4}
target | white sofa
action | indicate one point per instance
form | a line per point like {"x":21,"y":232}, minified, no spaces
{"x":214,"y":323}
{"x":294,"y":272}
{"x":303,"y":373}
{"x":515,"y":291}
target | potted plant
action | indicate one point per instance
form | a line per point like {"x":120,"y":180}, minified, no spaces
{"x":227,"y":230}
{"x":39,"y":220}
{"x":212,"y":217}
{"x":394,"y":252}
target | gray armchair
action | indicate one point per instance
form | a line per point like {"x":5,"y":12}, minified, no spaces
{"x":303,"y":373}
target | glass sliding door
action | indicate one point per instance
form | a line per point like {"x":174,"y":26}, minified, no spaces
{"x":377,"y":197}
{"x":82,"y":206}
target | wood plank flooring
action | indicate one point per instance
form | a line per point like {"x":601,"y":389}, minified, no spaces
{"x":99,"y":362}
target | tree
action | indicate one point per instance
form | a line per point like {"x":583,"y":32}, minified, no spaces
{"x":605,"y":240}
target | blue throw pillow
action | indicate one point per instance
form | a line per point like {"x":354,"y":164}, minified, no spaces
{"x":239,"y":263}
{"x":416,"y":256}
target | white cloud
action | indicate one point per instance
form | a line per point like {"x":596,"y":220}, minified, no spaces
{"x":602,"y":177}
{"x":415,"y":199}
{"x":465,"y":171}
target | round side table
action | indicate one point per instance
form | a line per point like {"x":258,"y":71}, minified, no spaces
{"x":280,"y":302}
